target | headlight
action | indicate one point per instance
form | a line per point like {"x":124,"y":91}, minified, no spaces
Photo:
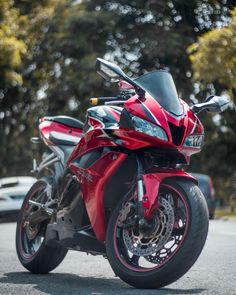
{"x":195,"y":141}
{"x":146,"y":127}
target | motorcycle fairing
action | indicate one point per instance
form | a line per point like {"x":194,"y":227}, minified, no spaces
{"x":102,"y":117}
{"x":93,"y":139}
{"x":46,"y":127}
{"x":93,"y":181}
{"x":152,"y":111}
{"x":177,"y":129}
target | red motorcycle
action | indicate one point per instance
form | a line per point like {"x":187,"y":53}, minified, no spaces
{"x":115,"y":185}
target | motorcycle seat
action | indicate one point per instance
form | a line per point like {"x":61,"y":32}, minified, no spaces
{"x":59,"y":138}
{"x":66,"y":120}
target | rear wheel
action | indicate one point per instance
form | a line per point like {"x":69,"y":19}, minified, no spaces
{"x":165,"y":253}
{"x":31,"y":248}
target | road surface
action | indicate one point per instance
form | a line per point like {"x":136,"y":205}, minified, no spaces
{"x":214,"y":272}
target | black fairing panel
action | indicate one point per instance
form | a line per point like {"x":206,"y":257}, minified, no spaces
{"x":105,"y":114}
{"x":71,"y":205}
{"x":177,"y":133}
{"x":126,"y":121}
{"x":120,"y":183}
{"x":66,"y":120}
{"x":89,"y":158}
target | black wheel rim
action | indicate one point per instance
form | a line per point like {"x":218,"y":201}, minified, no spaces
{"x":31,"y":237}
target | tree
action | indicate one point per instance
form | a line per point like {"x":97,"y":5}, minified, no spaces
{"x":18,"y":90}
{"x":213,"y":57}
{"x":12,"y":48}
{"x":12,"y":51}
{"x":62,"y":40}
{"x":147,"y":35}
{"x":214,"y":63}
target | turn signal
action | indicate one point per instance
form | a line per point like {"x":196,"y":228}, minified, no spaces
{"x":93,"y":101}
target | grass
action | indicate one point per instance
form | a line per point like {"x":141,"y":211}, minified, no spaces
{"x":225,"y":213}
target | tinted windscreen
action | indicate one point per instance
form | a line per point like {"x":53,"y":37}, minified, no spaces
{"x":160,"y":85}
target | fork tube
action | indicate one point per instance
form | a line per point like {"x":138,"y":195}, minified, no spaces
{"x":140,"y":187}
{"x":140,"y":190}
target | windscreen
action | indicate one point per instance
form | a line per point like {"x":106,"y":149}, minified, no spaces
{"x":160,"y":85}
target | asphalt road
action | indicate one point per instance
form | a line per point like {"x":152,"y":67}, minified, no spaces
{"x":214,"y":272}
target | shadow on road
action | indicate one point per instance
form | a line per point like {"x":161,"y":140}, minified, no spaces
{"x":60,"y":283}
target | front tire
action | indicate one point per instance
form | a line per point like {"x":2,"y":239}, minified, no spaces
{"x":176,"y":249}
{"x":31,"y":248}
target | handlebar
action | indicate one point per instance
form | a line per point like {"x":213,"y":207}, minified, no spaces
{"x":103,"y":100}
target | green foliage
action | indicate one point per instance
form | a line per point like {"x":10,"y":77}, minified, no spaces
{"x":18,"y":88}
{"x":214,"y":62}
{"x":12,"y":47}
{"x":213,"y":56}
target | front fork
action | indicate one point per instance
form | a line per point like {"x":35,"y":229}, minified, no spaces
{"x":140,"y":180}
{"x":142,"y":220}
{"x":148,"y":188}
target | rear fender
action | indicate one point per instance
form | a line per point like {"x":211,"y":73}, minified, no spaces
{"x":152,"y":182}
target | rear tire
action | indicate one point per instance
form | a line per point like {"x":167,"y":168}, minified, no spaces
{"x":36,"y":257}
{"x":165,"y":270}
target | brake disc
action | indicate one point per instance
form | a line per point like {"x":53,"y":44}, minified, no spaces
{"x":161,"y":256}
{"x":139,"y":245}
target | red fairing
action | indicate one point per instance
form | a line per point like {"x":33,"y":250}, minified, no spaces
{"x":102,"y":117}
{"x":152,"y":183}
{"x":116,"y":114}
{"x":95,"y":123}
{"x":93,"y":182}
{"x":94,"y":139}
{"x":134,"y":140}
{"x":46,"y":127}
{"x":152,"y":111}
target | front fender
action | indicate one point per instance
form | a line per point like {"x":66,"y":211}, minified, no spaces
{"x":152,"y":182}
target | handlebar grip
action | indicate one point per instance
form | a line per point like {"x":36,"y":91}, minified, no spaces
{"x":101,"y":100}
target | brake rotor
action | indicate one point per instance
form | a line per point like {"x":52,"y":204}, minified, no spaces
{"x":159,"y":257}
{"x":139,"y":245}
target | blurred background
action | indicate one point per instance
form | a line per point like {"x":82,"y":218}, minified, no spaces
{"x":48,"y":50}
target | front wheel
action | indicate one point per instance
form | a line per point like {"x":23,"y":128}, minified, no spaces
{"x":166,"y":252}
{"x":31,"y":248}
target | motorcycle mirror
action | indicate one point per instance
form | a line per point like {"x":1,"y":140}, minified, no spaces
{"x":214,"y":104}
{"x":109,"y":71}
{"x":113,"y":73}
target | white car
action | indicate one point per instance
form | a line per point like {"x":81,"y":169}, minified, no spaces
{"x":16,"y":181}
{"x":12,"y":193}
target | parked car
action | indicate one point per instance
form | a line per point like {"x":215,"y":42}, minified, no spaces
{"x":206,"y":185}
{"x":17,"y":181}
{"x":12,"y":193}
{"x":11,"y":199}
